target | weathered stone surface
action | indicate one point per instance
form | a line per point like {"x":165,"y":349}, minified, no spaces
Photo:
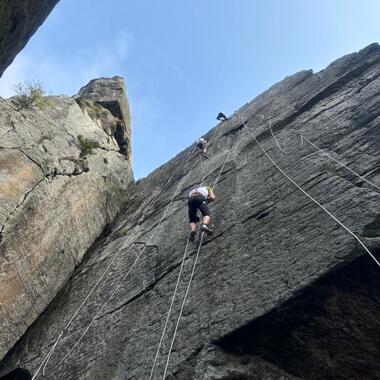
{"x":280,"y":290}
{"x":19,"y":20}
{"x":110,"y":93}
{"x":54,"y":202}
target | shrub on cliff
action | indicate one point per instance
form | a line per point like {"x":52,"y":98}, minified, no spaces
{"x":87,"y":145}
{"x":29,"y":94}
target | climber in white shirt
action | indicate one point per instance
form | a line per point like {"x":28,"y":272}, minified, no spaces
{"x":198,"y":200}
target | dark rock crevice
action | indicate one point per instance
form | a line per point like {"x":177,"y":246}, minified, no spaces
{"x":328,"y":331}
{"x":109,"y":94}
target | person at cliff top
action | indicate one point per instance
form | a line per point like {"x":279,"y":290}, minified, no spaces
{"x":198,"y":199}
{"x":201,"y":145}
{"x":221,"y":117}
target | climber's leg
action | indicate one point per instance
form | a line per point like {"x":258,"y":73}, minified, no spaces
{"x":205,"y":210}
{"x":193,"y":219}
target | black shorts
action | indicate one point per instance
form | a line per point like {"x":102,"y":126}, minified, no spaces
{"x":197,"y":202}
{"x":201,"y":146}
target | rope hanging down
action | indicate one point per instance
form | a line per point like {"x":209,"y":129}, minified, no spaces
{"x":124,"y":277}
{"x":183,"y":305}
{"x":170,"y":309}
{"x":203,"y":171}
{"x":303,"y":138}
{"x":310,"y":197}
{"x":187,"y":289}
{"x":51,"y":351}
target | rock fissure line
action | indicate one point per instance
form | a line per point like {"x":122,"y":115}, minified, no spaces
{"x":5,"y":133}
{"x":18,"y":206}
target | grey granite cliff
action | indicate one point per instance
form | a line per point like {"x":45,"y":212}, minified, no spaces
{"x":280,"y":291}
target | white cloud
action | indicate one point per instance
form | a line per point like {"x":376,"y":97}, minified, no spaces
{"x":67,"y":76}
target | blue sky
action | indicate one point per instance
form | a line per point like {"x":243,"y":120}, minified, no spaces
{"x":186,"y":60}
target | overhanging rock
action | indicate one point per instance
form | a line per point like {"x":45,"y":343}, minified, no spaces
{"x":19,"y":20}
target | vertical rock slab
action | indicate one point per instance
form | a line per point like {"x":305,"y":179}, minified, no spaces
{"x":58,"y":191}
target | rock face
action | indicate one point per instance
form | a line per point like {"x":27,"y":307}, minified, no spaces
{"x":58,"y":191}
{"x":19,"y":19}
{"x":111,"y":95}
{"x":280,"y":291}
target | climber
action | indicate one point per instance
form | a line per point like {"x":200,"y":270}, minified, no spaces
{"x":17,"y":374}
{"x":221,"y":117}
{"x":198,"y":199}
{"x":201,"y":145}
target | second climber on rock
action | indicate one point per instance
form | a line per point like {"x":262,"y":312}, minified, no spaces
{"x":198,"y":200}
{"x":201,"y":145}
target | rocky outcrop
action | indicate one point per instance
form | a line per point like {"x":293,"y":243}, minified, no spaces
{"x":62,"y":180}
{"x":280,"y":291}
{"x":110,"y":94}
{"x":19,"y":20}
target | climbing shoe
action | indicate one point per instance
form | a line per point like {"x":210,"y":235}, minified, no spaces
{"x":206,"y":228}
{"x":192,"y":236}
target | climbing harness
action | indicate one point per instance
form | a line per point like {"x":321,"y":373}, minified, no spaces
{"x":51,"y":351}
{"x":309,"y":196}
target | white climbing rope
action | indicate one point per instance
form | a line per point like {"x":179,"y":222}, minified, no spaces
{"x":44,"y":363}
{"x":123,"y":279}
{"x":187,"y":289}
{"x":303,"y":138}
{"x":183,"y":305}
{"x":203,"y":171}
{"x":170,"y":309}
{"x":310,"y":197}
{"x":275,"y":140}
{"x":338,"y":162}
{"x":51,"y":351}
{"x":213,"y":135}
{"x":221,"y":169}
{"x":181,"y":268}
{"x":185,"y":160}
